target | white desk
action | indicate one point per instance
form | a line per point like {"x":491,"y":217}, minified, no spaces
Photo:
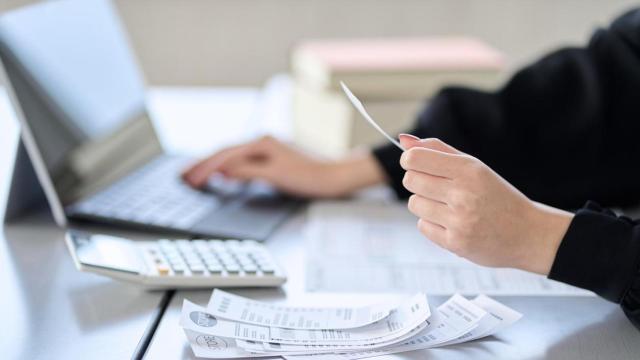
{"x":49,"y":310}
{"x":552,"y":327}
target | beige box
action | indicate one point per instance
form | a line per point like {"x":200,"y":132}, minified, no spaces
{"x":326,"y":123}
{"x":394,"y":78}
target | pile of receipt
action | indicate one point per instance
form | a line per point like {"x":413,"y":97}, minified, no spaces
{"x":236,"y":327}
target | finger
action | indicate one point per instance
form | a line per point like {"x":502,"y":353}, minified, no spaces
{"x":430,"y":210}
{"x":249,"y":171}
{"x":198,"y":175}
{"x":410,"y":141}
{"x":432,"y":162}
{"x":433,"y":232}
{"x":426,"y":185}
{"x":195,"y":168}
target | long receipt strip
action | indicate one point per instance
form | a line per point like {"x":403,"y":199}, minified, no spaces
{"x":407,"y":325}
{"x":237,"y":308}
{"x":402,"y":320}
{"x":358,"y":105}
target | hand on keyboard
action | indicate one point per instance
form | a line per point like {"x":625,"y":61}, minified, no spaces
{"x":225,"y":187}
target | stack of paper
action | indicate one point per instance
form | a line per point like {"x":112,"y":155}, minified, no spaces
{"x":235,"y":327}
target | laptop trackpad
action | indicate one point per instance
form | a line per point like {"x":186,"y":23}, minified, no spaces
{"x":251,"y":218}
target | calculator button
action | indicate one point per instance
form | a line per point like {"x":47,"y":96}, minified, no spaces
{"x":162,"y":270}
{"x":173,"y":256}
{"x":215,"y":269}
{"x":214,"y":265}
{"x":227,"y":259}
{"x":192,"y":259}
{"x":250,"y":269}
{"x":232,"y":243}
{"x":233,"y":269}
{"x":267,"y":268}
{"x":196,"y":267}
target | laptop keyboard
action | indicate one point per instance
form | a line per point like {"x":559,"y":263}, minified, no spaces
{"x":153,"y":195}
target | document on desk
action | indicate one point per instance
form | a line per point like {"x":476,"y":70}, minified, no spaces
{"x":349,"y":243}
{"x":241,"y":309}
{"x":409,"y":326}
{"x":452,"y":320}
{"x":401,"y":321}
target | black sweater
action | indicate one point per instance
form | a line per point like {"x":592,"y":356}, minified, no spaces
{"x":564,"y":131}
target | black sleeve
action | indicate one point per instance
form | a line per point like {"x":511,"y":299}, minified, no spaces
{"x":600,"y":252}
{"x":563,"y":130}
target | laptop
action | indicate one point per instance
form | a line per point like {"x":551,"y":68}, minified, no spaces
{"x":80,"y":99}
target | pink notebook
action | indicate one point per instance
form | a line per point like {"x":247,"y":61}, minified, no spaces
{"x":404,"y":54}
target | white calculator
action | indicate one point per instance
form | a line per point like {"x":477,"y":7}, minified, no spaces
{"x":163,"y":264}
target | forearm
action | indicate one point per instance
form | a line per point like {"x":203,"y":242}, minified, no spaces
{"x":561,"y":130}
{"x":354,"y":172}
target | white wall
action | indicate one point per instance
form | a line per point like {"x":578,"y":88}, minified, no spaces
{"x":201,"y":42}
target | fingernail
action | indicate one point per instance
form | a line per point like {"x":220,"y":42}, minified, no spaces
{"x":410,"y":136}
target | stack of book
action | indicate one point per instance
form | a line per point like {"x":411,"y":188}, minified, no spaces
{"x":393,"y":77}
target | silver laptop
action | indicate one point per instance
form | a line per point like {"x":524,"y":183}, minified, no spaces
{"x":80,"y":98}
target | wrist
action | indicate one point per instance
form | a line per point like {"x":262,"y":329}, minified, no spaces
{"x":357,"y":171}
{"x":548,"y":227}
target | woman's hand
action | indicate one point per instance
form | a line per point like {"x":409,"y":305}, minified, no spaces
{"x":288,"y":169}
{"x":467,"y":208}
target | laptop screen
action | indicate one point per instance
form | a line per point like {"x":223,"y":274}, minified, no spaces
{"x":81,"y":92}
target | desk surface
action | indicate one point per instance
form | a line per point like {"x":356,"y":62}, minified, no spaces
{"x":552,"y":327}
{"x":49,"y":310}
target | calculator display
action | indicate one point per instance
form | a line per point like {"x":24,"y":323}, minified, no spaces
{"x":107,"y":252}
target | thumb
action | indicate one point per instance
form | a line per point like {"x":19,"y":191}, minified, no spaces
{"x":409,"y":141}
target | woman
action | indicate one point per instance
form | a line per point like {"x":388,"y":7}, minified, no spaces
{"x":561,"y":132}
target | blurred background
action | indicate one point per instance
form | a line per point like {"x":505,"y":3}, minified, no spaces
{"x":243,"y":42}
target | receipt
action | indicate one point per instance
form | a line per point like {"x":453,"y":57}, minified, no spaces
{"x":402,"y":320}
{"x":456,"y":317}
{"x":214,"y":347}
{"x":408,"y":327}
{"x":500,"y":317}
{"x":358,"y":105}
{"x":290,"y":349}
{"x":241,"y":309}
{"x":408,"y":315}
{"x":197,"y":318}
